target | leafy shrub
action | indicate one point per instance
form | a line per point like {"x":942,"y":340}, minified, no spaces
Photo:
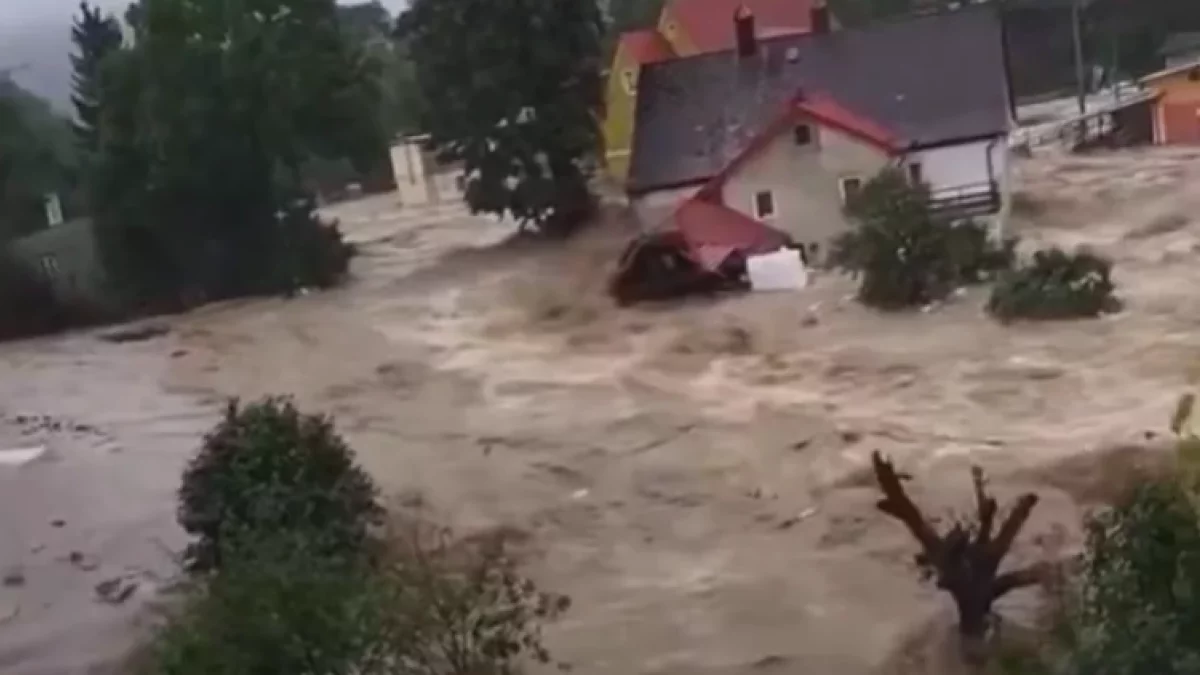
{"x":312,"y":252}
{"x":1134,"y":610}
{"x":906,"y":256}
{"x":975,"y":256}
{"x":267,"y":468}
{"x":279,"y":606}
{"x":469,"y":608}
{"x":1055,"y":285}
{"x":274,"y":608}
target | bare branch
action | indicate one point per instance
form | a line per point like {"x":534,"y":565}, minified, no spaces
{"x":1022,"y":578}
{"x":986,"y":506}
{"x":1012,"y":526}
{"x":896,"y":503}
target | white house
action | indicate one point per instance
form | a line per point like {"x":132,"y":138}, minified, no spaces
{"x":785,"y":129}
{"x":420,"y":179}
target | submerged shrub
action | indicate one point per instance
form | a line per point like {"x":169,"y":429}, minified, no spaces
{"x":280,"y":606}
{"x":277,"y":607}
{"x":312,"y":252}
{"x":268,"y":469}
{"x":1055,"y":285}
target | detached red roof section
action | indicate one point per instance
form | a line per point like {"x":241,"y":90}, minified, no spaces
{"x":646,"y":46}
{"x":709,"y":23}
{"x":711,"y":232}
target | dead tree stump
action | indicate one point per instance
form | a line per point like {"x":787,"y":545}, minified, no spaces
{"x":965,"y":561}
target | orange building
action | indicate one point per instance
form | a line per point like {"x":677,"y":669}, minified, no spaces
{"x":1177,"y":107}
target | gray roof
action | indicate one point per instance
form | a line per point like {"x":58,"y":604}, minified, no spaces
{"x":929,"y":80}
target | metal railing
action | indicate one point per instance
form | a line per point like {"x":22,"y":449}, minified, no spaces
{"x":965,"y":201}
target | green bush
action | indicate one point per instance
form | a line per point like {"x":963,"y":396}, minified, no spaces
{"x":275,"y":608}
{"x":469,"y":609}
{"x":1134,"y":608}
{"x":975,"y":256}
{"x":281,"y":607}
{"x":1055,"y":285}
{"x":905,"y":255}
{"x":267,"y":468}
{"x":312,"y":253}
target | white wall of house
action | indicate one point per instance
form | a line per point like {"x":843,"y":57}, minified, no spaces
{"x":408,"y":167}
{"x":963,"y":165}
{"x":805,"y":182}
{"x":653,"y":208}
{"x":420,"y":180}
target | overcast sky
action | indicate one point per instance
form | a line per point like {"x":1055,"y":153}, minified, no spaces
{"x":15,"y":13}
{"x":35,"y":39}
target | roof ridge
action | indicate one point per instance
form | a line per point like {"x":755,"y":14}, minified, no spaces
{"x":888,"y":22}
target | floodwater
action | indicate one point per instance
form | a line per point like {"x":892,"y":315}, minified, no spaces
{"x":692,"y":475}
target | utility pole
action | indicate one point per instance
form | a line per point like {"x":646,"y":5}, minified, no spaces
{"x":1077,"y":38}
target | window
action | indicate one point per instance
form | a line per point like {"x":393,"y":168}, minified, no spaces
{"x":764,"y":205}
{"x":460,"y":183}
{"x":802,"y":134}
{"x":629,"y":80}
{"x":1194,"y":75}
{"x":850,"y":185}
{"x":916,"y":174}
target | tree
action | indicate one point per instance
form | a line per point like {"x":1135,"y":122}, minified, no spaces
{"x":95,"y":35}
{"x":625,"y":15}
{"x":965,"y":560}
{"x":908,"y":257}
{"x":267,"y":468}
{"x":513,"y":90}
{"x":198,"y":188}
{"x":36,"y":158}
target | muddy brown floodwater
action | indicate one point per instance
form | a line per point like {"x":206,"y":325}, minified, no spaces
{"x":693,"y":476}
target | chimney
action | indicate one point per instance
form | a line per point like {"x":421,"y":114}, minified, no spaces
{"x":743,"y":32}
{"x":818,"y":18}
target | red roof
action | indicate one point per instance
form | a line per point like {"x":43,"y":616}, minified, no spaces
{"x":713,"y":231}
{"x":709,"y":23}
{"x":829,"y":112}
{"x":646,"y":46}
{"x":820,"y":109}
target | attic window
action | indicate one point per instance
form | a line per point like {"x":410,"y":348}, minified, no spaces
{"x":850,"y":186}
{"x":764,"y":205}
{"x":629,"y":81}
{"x":802,"y":134}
